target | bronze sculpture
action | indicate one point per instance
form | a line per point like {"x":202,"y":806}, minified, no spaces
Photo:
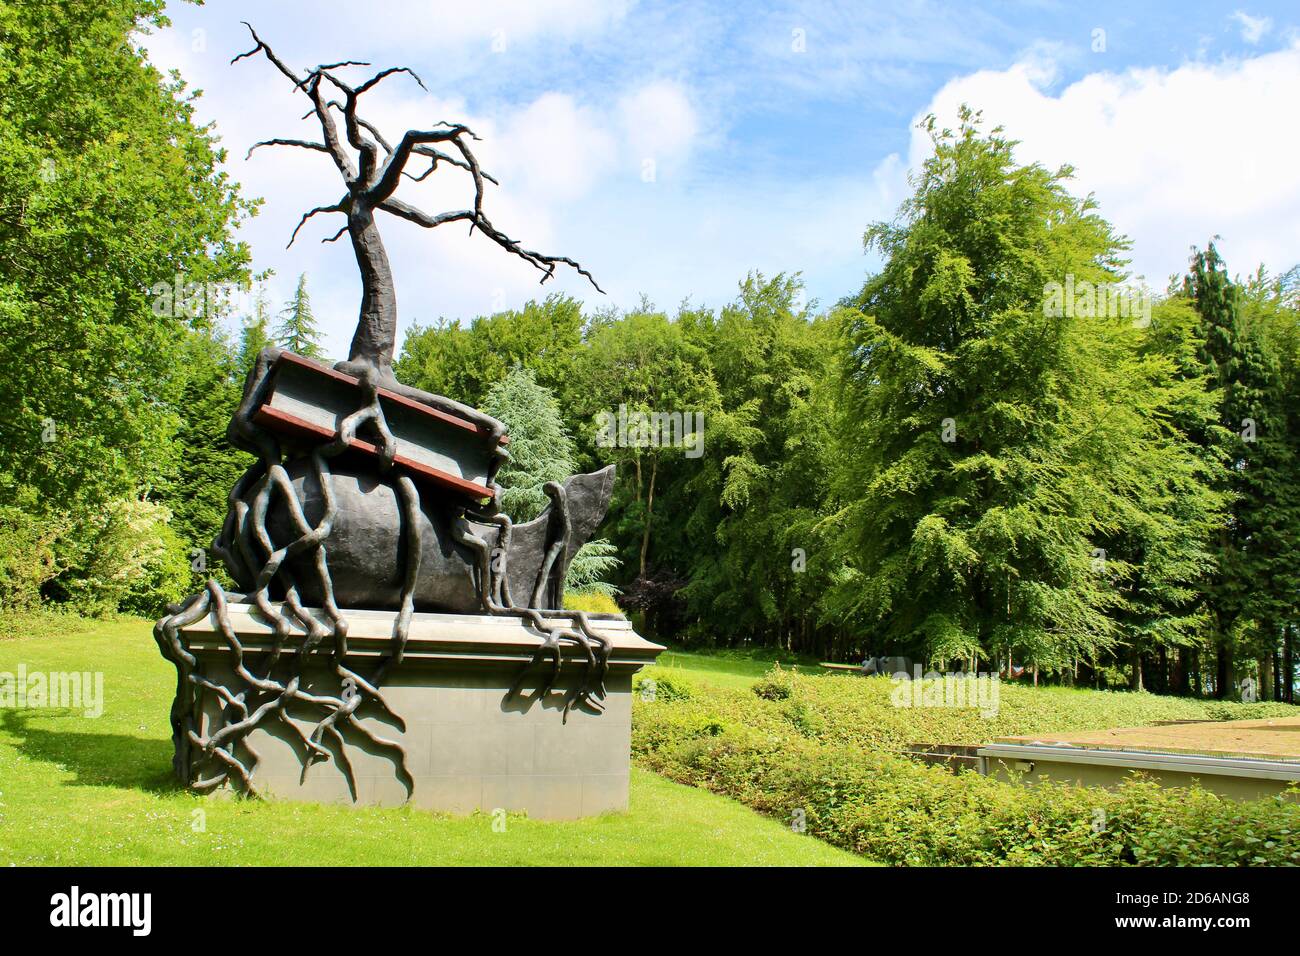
{"x":359,"y":474}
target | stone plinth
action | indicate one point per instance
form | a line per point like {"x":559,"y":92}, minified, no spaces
{"x":467,"y":747}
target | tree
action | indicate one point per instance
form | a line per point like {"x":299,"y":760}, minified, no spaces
{"x":592,"y":564}
{"x":540,"y":447}
{"x":1248,"y":438}
{"x":757,"y":561}
{"x":1270,"y":474}
{"x":196,"y":488}
{"x":256,"y":332}
{"x":987,"y":438}
{"x":371,"y":178}
{"x":466,"y":360}
{"x":297,"y":332}
{"x":115,"y":218}
{"x":541,"y":451}
{"x":117,"y":227}
{"x":646,"y":383}
{"x":1151,"y":531}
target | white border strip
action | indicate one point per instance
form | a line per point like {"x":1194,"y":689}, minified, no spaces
{"x":1147,"y":760}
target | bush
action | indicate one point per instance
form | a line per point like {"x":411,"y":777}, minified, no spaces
{"x":122,"y":557}
{"x":800,"y":744}
{"x":593,"y":602}
{"x":27,"y":554}
{"x":165,"y":577}
{"x":659,"y":686}
{"x":775,"y":685}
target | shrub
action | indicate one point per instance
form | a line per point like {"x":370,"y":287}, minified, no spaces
{"x":665,"y":687}
{"x":803,"y":718}
{"x":165,"y":577}
{"x":822,"y":746}
{"x":593,"y":602}
{"x":122,"y":557}
{"x":27,"y":554}
{"x":775,"y":685}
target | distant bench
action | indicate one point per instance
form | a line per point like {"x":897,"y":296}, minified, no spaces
{"x":887,"y":666}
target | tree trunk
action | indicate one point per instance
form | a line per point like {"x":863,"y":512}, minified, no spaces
{"x":1182,"y":671}
{"x":376,"y":333}
{"x":649,"y":513}
{"x":1288,"y":664}
{"x":1222,"y":668}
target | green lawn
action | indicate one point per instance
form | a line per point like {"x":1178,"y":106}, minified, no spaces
{"x":82,"y":791}
{"x":855,"y":709}
{"x":835,"y":707}
{"x":730,"y":668}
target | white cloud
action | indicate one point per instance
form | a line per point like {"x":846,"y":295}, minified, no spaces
{"x":1041,"y":62}
{"x":659,"y":121}
{"x":1174,"y":156}
{"x":555,"y":148}
{"x":1252,"y":28}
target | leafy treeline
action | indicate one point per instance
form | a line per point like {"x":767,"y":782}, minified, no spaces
{"x":995,"y":451}
{"x":1062,"y":484}
{"x":986,"y":455}
{"x":109,"y":194}
{"x":117,"y":379}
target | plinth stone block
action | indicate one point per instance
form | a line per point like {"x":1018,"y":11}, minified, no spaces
{"x":467,"y":746}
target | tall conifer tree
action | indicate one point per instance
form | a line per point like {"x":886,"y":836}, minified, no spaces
{"x":297,"y":331}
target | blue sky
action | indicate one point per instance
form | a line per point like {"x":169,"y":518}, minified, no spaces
{"x":672,"y":147}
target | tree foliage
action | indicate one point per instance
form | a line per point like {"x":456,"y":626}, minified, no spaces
{"x":540,"y":447}
{"x":297,"y":330}
{"x":108,"y":189}
{"x":115,"y":221}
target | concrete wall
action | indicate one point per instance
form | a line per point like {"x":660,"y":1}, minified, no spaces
{"x":1034,"y":769}
{"x":467,"y":747}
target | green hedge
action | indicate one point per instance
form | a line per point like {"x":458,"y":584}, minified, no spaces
{"x":762,"y":751}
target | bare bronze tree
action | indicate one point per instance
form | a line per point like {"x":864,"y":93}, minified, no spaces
{"x":448,"y":556}
{"x":372,"y":178}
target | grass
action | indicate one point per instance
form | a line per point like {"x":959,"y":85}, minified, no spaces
{"x":729,"y":667}
{"x":80,"y":791}
{"x":860,"y":711}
